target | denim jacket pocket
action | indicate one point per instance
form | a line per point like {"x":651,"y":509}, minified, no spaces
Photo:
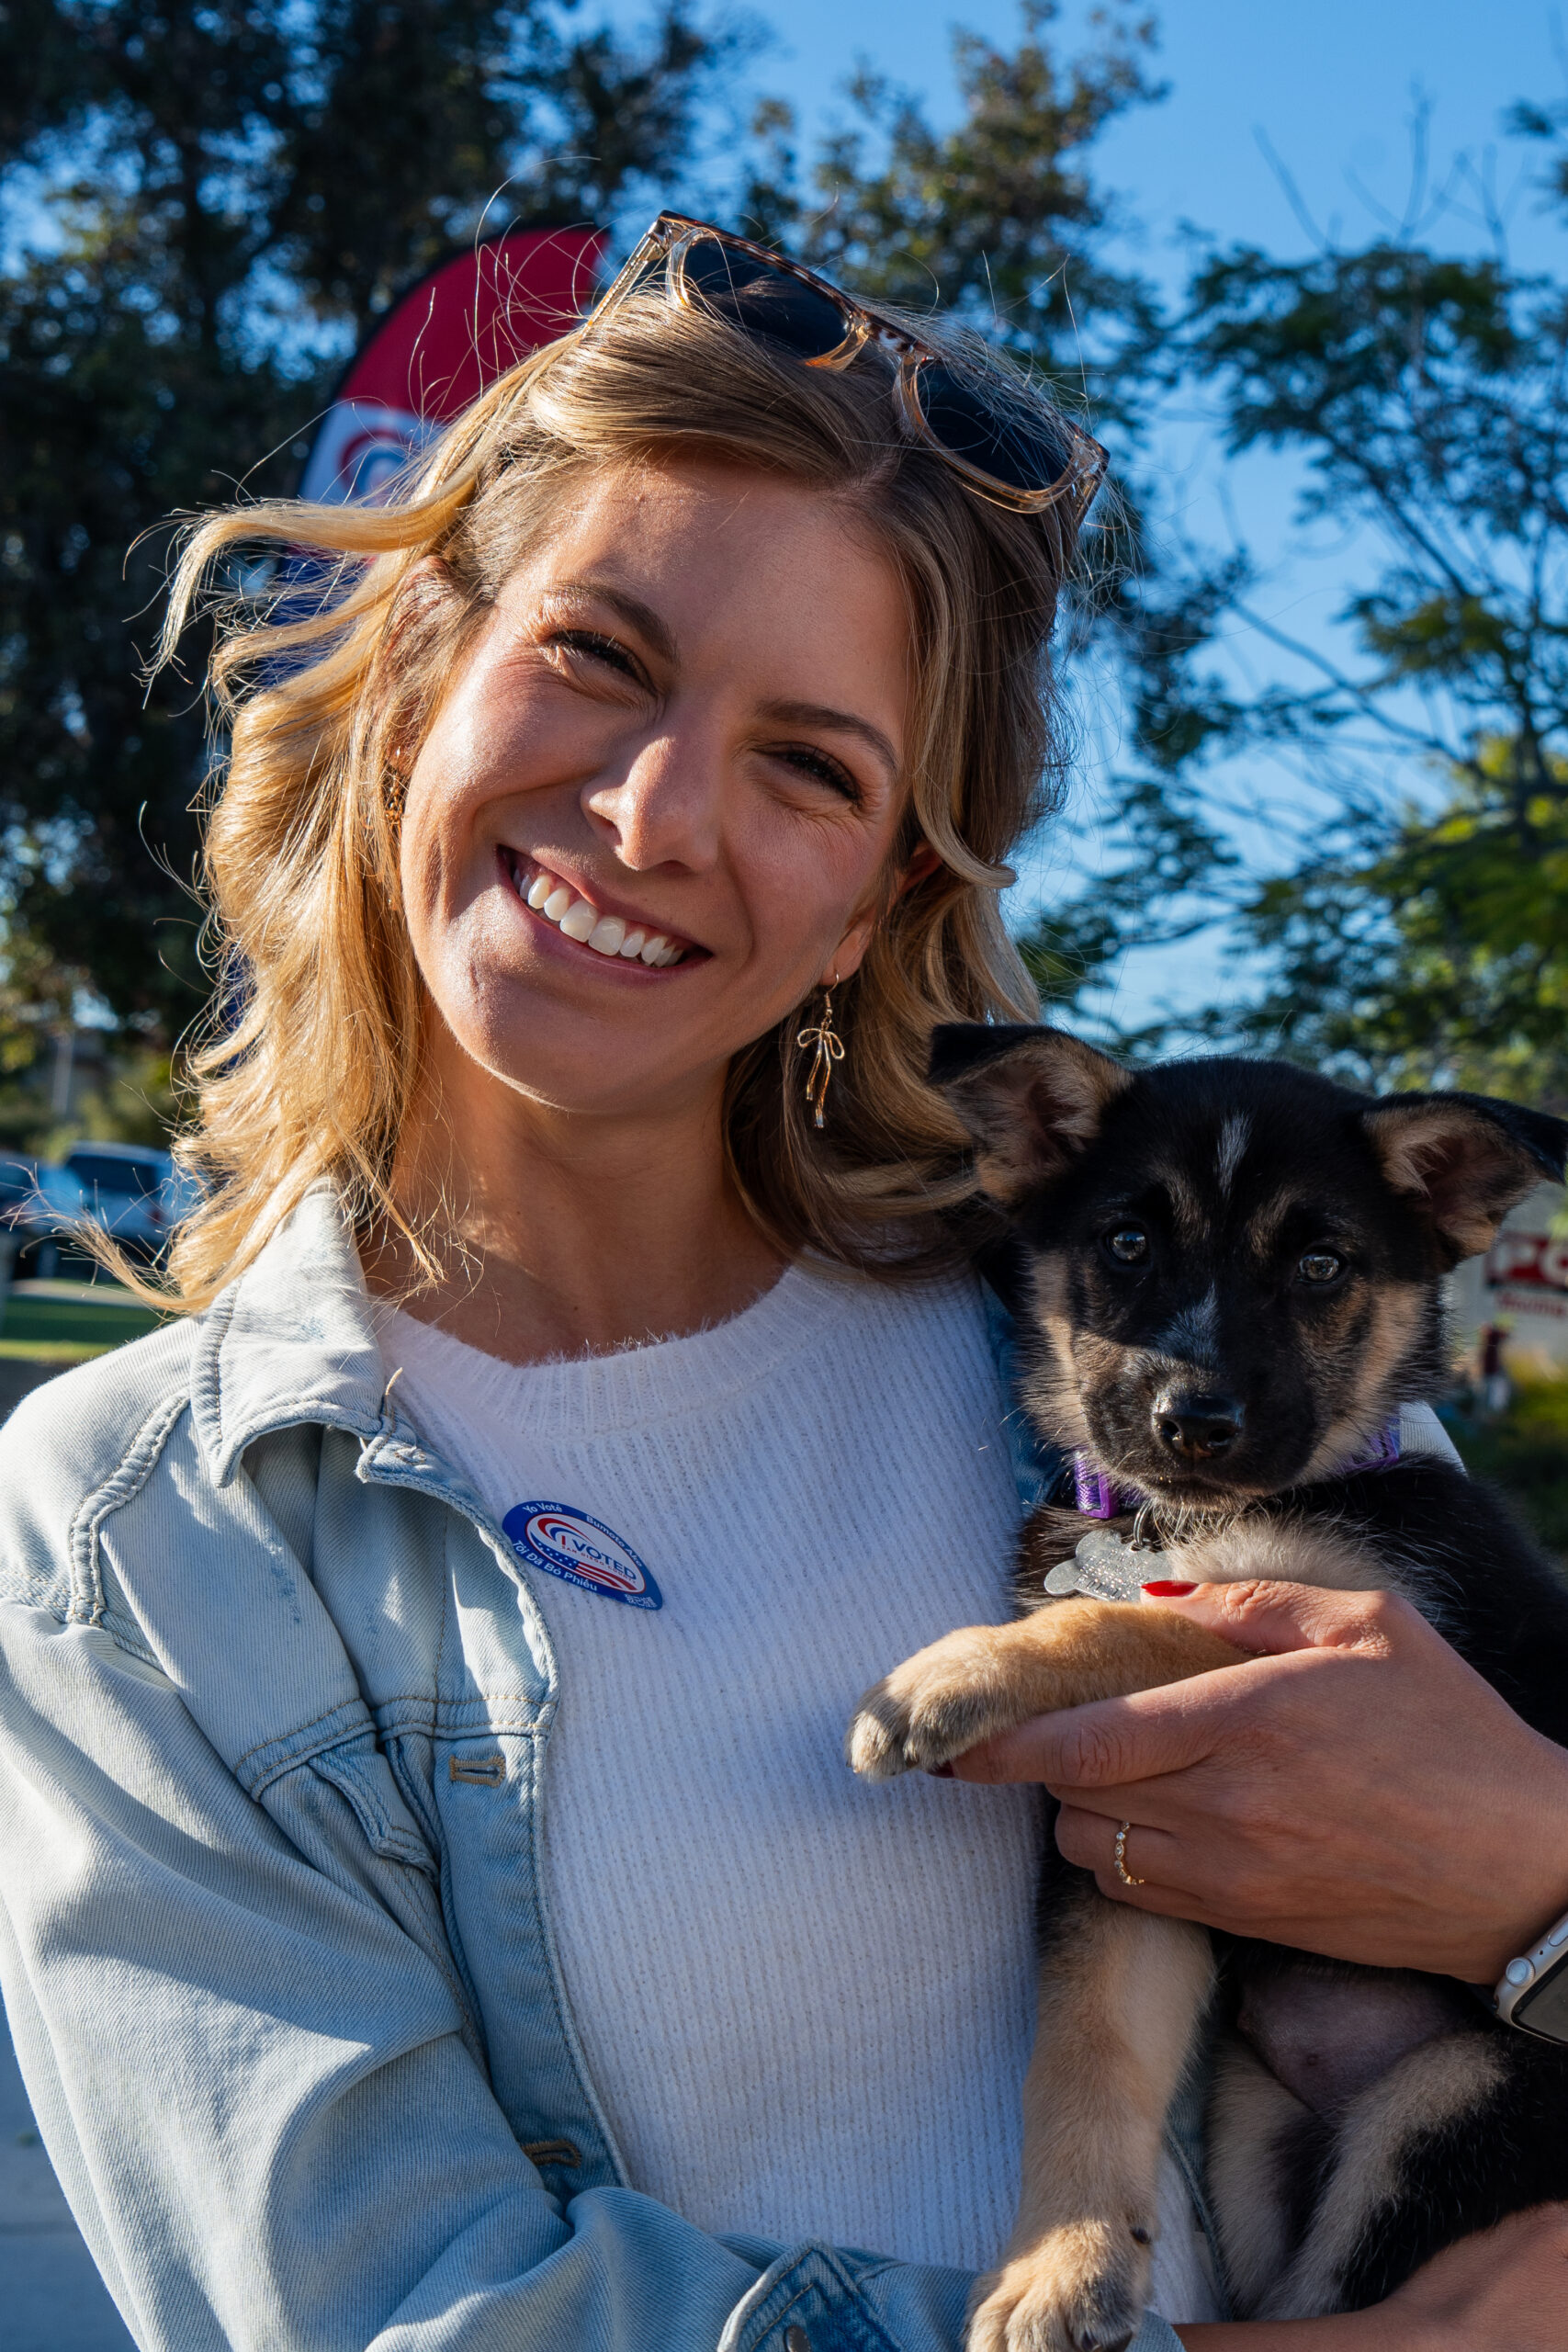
{"x":342,"y":1810}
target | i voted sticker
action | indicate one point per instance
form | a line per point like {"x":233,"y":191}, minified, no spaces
{"x":581,"y":1551}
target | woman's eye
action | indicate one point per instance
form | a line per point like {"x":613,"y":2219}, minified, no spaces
{"x":1320,"y":1266}
{"x":1129,"y":1245}
{"x":596,"y":648}
{"x":807,"y":760}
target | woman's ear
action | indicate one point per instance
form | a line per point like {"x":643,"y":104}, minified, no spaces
{"x":850,"y":952}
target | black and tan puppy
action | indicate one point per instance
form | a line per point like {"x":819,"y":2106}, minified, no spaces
{"x":1235,"y":1272}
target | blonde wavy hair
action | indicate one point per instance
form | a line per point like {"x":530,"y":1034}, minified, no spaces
{"x":311,"y":1054}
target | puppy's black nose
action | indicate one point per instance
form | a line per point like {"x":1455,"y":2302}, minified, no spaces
{"x":1198,"y":1426}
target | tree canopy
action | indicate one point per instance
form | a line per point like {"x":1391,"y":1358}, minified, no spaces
{"x":1420,"y":935}
{"x":1428,"y":939}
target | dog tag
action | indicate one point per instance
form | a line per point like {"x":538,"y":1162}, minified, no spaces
{"x":1105,"y":1568}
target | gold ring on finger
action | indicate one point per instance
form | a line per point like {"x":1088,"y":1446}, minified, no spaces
{"x":1119,"y":1855}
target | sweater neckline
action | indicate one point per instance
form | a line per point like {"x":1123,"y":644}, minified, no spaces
{"x":633,"y":1387}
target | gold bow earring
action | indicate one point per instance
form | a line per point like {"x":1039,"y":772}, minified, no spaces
{"x":829,"y":1048}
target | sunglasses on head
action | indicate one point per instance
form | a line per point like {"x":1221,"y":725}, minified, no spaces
{"x":1022,"y":455}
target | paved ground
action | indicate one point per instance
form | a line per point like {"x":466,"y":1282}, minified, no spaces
{"x":51,"y":2299}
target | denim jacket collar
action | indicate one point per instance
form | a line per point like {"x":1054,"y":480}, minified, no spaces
{"x":292,"y":1340}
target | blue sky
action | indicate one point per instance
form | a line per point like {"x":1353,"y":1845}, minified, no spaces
{"x":1329,"y":86}
{"x":1330,"y":91}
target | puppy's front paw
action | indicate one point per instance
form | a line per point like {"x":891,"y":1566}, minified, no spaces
{"x":936,"y":1705}
{"x":1082,"y":2288}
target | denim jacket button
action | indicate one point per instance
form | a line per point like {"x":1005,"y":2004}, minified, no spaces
{"x":797,"y":2340}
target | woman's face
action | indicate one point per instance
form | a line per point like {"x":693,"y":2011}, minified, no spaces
{"x":683,"y":726}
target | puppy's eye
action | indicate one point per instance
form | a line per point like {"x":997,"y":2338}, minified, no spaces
{"x":1129,"y":1245}
{"x":1320,"y":1266}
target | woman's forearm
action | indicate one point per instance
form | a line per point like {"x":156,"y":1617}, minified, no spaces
{"x":1385,"y":2329}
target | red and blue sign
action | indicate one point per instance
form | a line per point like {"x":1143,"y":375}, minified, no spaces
{"x":460,"y":328}
{"x":581,"y":1551}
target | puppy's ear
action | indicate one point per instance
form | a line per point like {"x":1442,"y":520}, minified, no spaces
{"x":1464,"y":1159}
{"x":1031,"y":1098}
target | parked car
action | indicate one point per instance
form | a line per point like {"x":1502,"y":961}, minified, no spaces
{"x":133,"y":1191}
{"x":18,"y":1188}
{"x":125,"y":1188}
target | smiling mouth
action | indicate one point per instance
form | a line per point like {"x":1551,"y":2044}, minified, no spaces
{"x":577,"y":918}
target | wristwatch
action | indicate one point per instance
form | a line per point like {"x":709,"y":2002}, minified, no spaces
{"x":1532,"y":1992}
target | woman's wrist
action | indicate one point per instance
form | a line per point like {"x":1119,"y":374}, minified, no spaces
{"x":1534,"y":1893}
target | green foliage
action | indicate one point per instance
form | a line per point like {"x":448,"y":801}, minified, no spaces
{"x":1158,"y":891}
{"x":1430,"y":942}
{"x":1525,"y":1450}
{"x":999,"y":218}
{"x":1425,"y":395}
{"x":1437,"y":956}
{"x":1420,"y":935}
{"x":401,"y":118}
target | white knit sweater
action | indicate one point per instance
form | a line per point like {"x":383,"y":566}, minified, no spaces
{"x":806,"y":2002}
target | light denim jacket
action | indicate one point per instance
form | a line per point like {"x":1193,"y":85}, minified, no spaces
{"x":275,"y":1707}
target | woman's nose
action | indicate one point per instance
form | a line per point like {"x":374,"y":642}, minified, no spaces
{"x":665,"y":807}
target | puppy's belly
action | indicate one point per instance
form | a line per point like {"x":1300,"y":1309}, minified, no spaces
{"x":1326,"y":2030}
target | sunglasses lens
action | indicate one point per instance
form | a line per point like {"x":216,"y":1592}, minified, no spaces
{"x":1024,"y":452}
{"x":763,"y":301}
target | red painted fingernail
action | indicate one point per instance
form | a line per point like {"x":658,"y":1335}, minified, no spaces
{"x":939,"y":1771}
{"x":1168,"y":1588}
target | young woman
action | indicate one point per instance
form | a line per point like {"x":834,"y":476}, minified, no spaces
{"x":435,"y":1912}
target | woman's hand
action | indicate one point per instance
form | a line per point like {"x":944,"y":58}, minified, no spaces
{"x":1354,"y":1788}
{"x":1505,"y":2288}
{"x":1502,"y":2290}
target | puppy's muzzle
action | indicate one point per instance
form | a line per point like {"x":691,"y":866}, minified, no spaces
{"x":1197,"y":1427}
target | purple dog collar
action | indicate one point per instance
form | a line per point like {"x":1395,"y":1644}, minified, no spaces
{"x":1381,"y":1455}
{"x":1098,"y":1497}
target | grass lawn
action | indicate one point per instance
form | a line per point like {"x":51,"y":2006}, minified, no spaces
{"x":64,"y":1322}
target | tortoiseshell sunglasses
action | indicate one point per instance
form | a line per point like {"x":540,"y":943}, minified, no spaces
{"x":1023,"y":456}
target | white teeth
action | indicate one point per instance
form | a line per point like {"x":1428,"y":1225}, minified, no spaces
{"x":610,"y":934}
